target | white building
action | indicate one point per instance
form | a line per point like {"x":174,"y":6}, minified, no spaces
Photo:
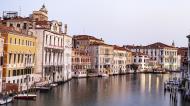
{"x":120,"y":63}
{"x":50,"y":52}
{"x":67,"y":55}
{"x":101,"y":57}
{"x":141,"y":60}
{"x":1,"y":60}
{"x":54,"y":48}
{"x":164,"y":54}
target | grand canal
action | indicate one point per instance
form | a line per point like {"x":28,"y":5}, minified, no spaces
{"x":125,"y":90}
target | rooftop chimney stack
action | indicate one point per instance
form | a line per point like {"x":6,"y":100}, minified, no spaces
{"x":65,"y":26}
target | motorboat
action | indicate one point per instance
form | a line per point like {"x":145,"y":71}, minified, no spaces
{"x":53,"y":84}
{"x":26,"y":96}
{"x":103,"y":75}
{"x":6,"y":100}
{"x":44,"y":88}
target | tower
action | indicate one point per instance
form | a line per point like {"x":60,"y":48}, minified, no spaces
{"x":41,"y":15}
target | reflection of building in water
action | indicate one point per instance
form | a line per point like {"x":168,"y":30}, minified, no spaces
{"x":150,"y":83}
{"x":143,"y":83}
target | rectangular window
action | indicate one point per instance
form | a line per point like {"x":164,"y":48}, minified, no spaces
{"x":19,"y":41}
{"x":22,"y":42}
{"x":10,"y":40}
{"x":50,"y":41}
{"x":15,"y":40}
{"x":14,"y":72}
{"x":14,"y":58}
{"x":24,"y":26}
{"x":1,"y":60}
{"x":22,"y":58}
{"x":18,"y":58}
{"x":10,"y":56}
{"x":18,"y":25}
{"x":9,"y":74}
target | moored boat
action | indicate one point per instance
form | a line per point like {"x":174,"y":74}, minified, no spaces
{"x":53,"y":84}
{"x":26,"y":96}
{"x":103,"y":75}
{"x":44,"y":88}
{"x":6,"y":100}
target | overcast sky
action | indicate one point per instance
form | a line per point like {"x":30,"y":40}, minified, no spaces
{"x":116,"y":21}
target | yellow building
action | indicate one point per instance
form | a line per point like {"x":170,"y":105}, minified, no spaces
{"x":19,"y":58}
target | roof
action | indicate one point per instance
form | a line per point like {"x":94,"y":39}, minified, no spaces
{"x":18,"y":18}
{"x":157,"y":45}
{"x":86,"y":37}
{"x":12,"y":30}
{"x":119,"y":48}
{"x":100,"y":44}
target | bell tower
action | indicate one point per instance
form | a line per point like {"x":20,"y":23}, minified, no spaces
{"x":41,"y":15}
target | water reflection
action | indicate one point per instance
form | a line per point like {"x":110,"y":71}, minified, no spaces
{"x":126,"y":90}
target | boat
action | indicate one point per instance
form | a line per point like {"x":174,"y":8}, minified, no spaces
{"x":53,"y":84}
{"x":44,"y":88}
{"x":26,"y":96}
{"x":6,"y":100}
{"x":92,"y":75}
{"x":103,"y":75}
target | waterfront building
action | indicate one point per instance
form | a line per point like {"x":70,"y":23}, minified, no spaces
{"x":84,"y":41}
{"x":187,"y":75}
{"x":101,"y":57}
{"x":1,"y":60}
{"x":121,"y":62}
{"x":67,"y":55}
{"x":50,"y":52}
{"x":19,"y":23}
{"x":165,"y":55}
{"x":54,"y":46}
{"x":19,"y":58}
{"x":81,"y":63}
{"x":141,"y":60}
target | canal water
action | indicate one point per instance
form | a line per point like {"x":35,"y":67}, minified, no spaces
{"x":125,"y":90}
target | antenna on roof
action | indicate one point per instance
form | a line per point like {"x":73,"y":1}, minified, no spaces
{"x":83,"y":30}
{"x":20,"y":11}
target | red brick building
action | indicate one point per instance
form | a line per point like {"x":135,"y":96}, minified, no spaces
{"x":81,"y":63}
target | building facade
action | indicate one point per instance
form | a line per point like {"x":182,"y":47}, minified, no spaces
{"x":84,"y":41}
{"x":164,"y":54}
{"x":141,"y":60}
{"x":52,"y":44}
{"x":187,"y":74}
{"x":19,"y":58}
{"x":81,"y":63}
{"x":50,"y":52}
{"x":101,"y":57}
{"x":67,"y":55}
{"x":120,"y":60}
{"x":1,"y":60}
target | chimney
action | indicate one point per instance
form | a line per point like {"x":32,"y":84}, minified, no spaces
{"x":65,"y":30}
{"x":33,"y":24}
